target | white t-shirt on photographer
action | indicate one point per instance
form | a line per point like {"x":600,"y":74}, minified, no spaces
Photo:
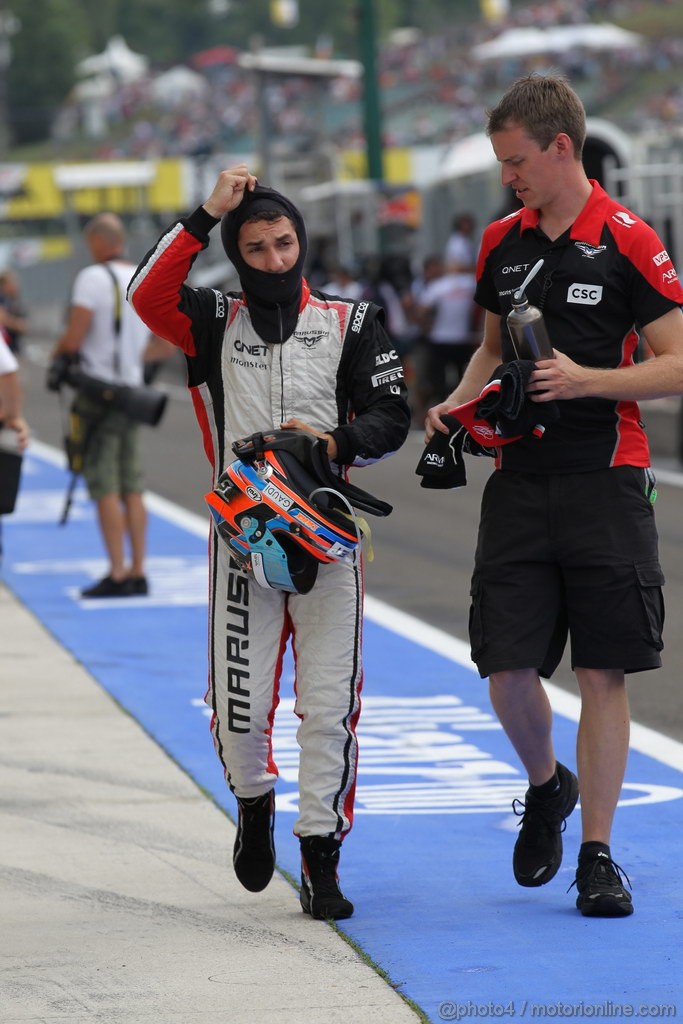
{"x":104,"y":353}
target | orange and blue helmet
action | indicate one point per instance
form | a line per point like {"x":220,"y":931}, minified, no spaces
{"x":282,"y":511}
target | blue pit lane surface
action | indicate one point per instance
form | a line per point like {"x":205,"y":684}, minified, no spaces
{"x":428,"y":862}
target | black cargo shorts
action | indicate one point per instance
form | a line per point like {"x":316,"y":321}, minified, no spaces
{"x":567,"y":555}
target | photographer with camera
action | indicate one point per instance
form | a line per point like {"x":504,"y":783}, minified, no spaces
{"x":101,"y":353}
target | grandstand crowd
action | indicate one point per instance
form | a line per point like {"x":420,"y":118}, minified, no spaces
{"x":433,"y":90}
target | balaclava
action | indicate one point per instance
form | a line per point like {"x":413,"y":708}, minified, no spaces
{"x":273,"y":299}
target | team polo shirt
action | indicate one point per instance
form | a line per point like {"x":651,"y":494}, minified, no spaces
{"x":603,"y":280}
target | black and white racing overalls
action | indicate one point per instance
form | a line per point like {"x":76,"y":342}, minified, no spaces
{"x":338,"y":373}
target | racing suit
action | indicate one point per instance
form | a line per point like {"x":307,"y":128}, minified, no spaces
{"x":338,"y":373}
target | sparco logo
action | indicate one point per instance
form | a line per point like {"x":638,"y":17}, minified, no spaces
{"x":660,"y":258}
{"x":220,"y":304}
{"x":585,"y":294}
{"x":359,"y":316}
{"x":252,"y":493}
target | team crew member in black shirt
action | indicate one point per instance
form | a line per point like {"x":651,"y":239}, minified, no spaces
{"x":567,"y":542}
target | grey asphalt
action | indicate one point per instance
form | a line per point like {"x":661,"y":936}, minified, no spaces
{"x":118,"y":900}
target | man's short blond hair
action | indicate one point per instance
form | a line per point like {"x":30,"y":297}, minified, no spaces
{"x":544,"y":106}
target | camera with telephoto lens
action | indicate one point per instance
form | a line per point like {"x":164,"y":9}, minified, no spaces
{"x":141,"y":404}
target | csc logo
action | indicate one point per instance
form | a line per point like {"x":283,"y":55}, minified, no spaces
{"x":585,"y":294}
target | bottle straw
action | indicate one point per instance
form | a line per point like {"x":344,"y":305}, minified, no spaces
{"x":519,"y":294}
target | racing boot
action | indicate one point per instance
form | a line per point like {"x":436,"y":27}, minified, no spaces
{"x":254,"y":852}
{"x":321,"y":896}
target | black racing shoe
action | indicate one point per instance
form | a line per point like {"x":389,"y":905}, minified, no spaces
{"x":538,"y":850}
{"x":254,"y":851}
{"x":109,"y":587}
{"x":321,"y":896}
{"x":601,"y":893}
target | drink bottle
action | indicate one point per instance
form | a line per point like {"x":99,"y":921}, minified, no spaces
{"x":527,"y":326}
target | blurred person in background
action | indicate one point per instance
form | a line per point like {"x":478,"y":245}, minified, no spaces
{"x":13,"y":318}
{"x":460,"y":254}
{"x":343,"y":283}
{"x":111,"y":343}
{"x":279,"y":355}
{"x":389,"y":286}
{"x":421,"y":391}
{"x":449,"y":317}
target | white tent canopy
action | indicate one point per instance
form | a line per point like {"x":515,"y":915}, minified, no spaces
{"x":525,"y":42}
{"x":177,"y":85}
{"x":470,"y":155}
{"x":116,"y":60}
{"x":515,"y":42}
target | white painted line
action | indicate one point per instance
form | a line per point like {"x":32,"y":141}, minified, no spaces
{"x":181,"y":517}
{"x":47,"y":452}
{"x":643,"y":739}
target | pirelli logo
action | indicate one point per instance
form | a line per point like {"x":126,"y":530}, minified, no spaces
{"x":387,"y":377}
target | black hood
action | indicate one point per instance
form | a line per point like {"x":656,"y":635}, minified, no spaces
{"x":273,"y":299}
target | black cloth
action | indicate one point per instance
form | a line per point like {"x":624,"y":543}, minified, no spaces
{"x":510,"y":410}
{"x":274,"y":300}
{"x":441,"y":464}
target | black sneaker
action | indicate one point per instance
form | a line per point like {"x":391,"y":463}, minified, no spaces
{"x":108,"y":587}
{"x":320,"y":895}
{"x":538,"y":850}
{"x":600,"y":888}
{"x":139,"y":585}
{"x":254,"y":851}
